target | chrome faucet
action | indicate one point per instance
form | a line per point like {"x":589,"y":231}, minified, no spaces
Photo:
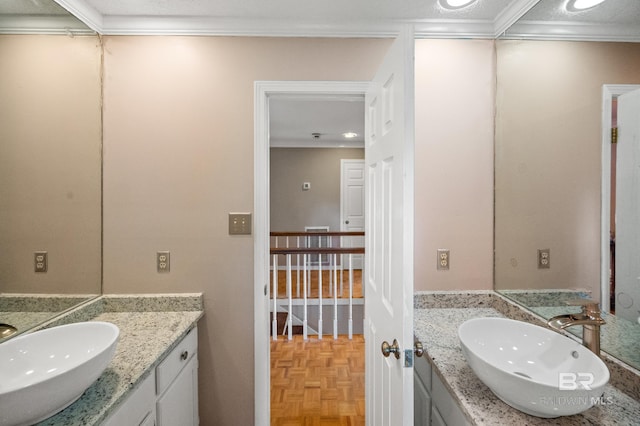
{"x":589,"y":318}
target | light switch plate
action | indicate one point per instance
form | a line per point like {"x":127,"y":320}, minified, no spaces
{"x":239,"y":223}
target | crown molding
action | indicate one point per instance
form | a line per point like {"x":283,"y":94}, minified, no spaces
{"x":322,"y":143}
{"x":511,"y":14}
{"x":84,"y":12}
{"x":507,"y":25}
{"x":572,"y":31}
{"x":51,"y":24}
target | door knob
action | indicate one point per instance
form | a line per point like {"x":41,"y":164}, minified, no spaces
{"x":388,"y":349}
{"x":418,"y":349}
{"x":346,"y":221}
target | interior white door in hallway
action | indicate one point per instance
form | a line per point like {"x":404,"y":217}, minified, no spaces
{"x":628,"y":207}
{"x":389,"y":147}
{"x":352,"y":206}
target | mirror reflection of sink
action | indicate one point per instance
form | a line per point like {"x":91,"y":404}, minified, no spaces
{"x":7,"y":330}
{"x":531,"y":368}
{"x":46,"y":371}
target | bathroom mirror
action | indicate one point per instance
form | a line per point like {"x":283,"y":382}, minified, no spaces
{"x":50,"y":162}
{"x":548,"y":158}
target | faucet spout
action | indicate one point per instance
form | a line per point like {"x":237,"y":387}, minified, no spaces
{"x":561,"y":322}
{"x":589,"y":318}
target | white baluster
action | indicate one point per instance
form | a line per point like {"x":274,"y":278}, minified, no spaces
{"x":298,"y":268}
{"x":290,"y":314}
{"x":350,"y":296}
{"x":335,"y":296}
{"x":320,"y":296}
{"x":305,"y":333}
{"x":274,"y":323}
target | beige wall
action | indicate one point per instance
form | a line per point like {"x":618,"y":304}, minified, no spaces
{"x":178,"y":157}
{"x":178,"y":146}
{"x":50,"y":135}
{"x":292,"y":208}
{"x":548,"y":128}
{"x":455,"y":84}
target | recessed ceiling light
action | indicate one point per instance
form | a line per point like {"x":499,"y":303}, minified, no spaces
{"x":349,"y":135}
{"x":578,"y":5}
{"x":455,"y":4}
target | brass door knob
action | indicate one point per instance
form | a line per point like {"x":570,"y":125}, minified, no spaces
{"x":388,"y":349}
{"x":418,"y":349}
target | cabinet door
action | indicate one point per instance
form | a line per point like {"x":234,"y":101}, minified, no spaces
{"x":178,"y":406}
{"x":421,"y":403}
{"x":437,"y":418}
{"x":150,"y":420}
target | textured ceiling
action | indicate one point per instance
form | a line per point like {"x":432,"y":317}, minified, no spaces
{"x":292,"y":121}
{"x":611,"y":11}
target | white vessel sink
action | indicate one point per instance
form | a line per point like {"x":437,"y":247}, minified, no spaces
{"x":533,"y":369}
{"x":43,"y":372}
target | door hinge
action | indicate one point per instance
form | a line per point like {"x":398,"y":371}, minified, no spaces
{"x":614,"y":135}
{"x":408,"y":358}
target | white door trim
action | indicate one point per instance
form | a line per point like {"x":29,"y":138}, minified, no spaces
{"x":263,"y":90}
{"x":609,"y":91}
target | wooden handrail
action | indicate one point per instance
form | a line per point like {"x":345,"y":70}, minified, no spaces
{"x":317,"y":250}
{"x":314,"y":233}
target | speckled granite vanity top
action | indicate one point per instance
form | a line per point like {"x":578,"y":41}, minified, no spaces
{"x":150,"y":326}
{"x":437,"y":317}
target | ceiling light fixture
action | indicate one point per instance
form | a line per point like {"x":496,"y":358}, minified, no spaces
{"x":580,"y":5}
{"x":455,"y":4}
{"x":349,"y":135}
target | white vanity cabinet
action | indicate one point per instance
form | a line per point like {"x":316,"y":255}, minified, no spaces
{"x":169,"y":395}
{"x":177,"y":384}
{"x":433,"y":404}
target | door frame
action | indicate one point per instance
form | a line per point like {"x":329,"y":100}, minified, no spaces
{"x":263,"y":91}
{"x":609,"y":91}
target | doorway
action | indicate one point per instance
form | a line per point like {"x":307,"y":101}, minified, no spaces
{"x":609,"y":290}
{"x":265,"y":93}
{"x":389,"y":124}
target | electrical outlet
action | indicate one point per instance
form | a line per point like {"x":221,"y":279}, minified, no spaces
{"x":239,"y":223}
{"x":444,"y":259}
{"x":544,"y":259}
{"x":41,"y":261}
{"x":163,"y":261}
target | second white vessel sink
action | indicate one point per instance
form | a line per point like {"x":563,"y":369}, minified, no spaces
{"x":44,"y":372}
{"x":531,"y":368}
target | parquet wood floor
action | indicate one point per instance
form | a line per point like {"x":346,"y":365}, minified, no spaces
{"x":357,"y":284}
{"x":317,"y":382}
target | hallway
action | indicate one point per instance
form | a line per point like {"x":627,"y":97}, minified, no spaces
{"x":317,"y":382}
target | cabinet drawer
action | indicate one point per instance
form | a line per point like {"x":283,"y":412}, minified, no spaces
{"x":176,"y":360}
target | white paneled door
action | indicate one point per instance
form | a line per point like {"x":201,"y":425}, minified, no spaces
{"x":352,"y":204}
{"x":628,"y":207}
{"x":389,"y":140}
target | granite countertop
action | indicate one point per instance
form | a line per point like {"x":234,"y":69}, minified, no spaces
{"x":148,"y":331}
{"x":436,"y":326}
